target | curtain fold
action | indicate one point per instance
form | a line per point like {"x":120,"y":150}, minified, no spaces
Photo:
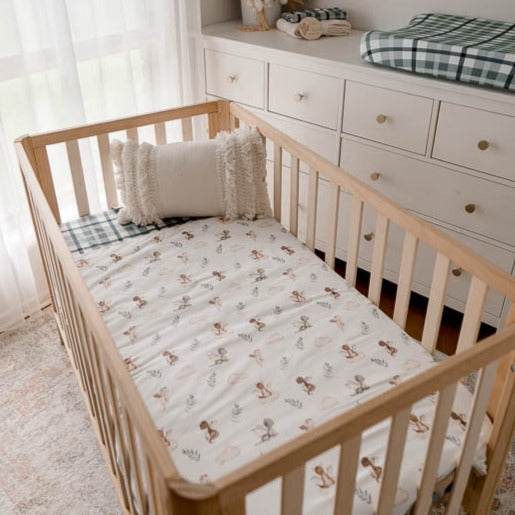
{"x":70,"y":62}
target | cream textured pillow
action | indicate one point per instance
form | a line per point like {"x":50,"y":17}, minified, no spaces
{"x":221,"y":177}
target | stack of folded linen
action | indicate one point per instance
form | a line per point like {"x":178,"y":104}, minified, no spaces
{"x":313,"y":23}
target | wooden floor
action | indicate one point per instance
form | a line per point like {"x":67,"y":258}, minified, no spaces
{"x":451,"y":319}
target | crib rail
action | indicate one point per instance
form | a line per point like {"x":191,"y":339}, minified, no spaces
{"x":146,"y":479}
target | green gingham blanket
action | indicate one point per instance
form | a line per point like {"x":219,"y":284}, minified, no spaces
{"x":102,"y":229}
{"x":460,"y":48}
{"x":329,"y":13}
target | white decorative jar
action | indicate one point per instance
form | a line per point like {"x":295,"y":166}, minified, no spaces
{"x":272,"y":11}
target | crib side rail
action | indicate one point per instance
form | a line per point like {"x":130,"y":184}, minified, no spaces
{"x":484,"y":275}
{"x":217,"y":113}
{"x":134,"y":452}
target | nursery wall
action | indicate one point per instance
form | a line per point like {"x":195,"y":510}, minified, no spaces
{"x":378,"y":14}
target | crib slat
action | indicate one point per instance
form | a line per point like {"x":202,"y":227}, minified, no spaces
{"x":107,"y":170}
{"x":121,"y":447}
{"x":434,"y":449}
{"x":136,"y":465}
{"x":312,"y":209}
{"x":475,"y":421}
{"x":45,"y":180}
{"x":409,"y":253}
{"x":294,"y":195}
{"x":278,"y":180}
{"x":378,"y":257}
{"x":346,"y":479}
{"x":234,"y":123}
{"x":212,"y":121}
{"x":351,"y":268}
{"x":79,"y":186}
{"x":132,"y":134}
{"x":472,"y":317}
{"x":332,"y":223}
{"x":187,"y":129}
{"x":160,"y":133}
{"x":436,"y":300}
{"x":392,"y":467}
{"x":292,"y":494}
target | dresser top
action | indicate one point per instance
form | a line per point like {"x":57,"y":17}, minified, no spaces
{"x":337,"y":55}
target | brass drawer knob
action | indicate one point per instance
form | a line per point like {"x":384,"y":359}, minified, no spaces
{"x":231,"y":79}
{"x":374,"y":176}
{"x":299,"y":97}
{"x":457,"y":271}
{"x":470,"y":208}
{"x":368,"y":236}
{"x":381,"y":118}
{"x":483,"y":144}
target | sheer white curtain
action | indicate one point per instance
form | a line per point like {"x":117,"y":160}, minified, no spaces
{"x":67,"y":62}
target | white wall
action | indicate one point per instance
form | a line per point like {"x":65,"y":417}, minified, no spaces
{"x":378,"y":14}
{"x":390,"y":14}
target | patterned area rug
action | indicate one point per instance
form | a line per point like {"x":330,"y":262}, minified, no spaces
{"x":50,"y":461}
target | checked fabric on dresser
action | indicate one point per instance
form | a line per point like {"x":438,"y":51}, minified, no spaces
{"x":460,"y":48}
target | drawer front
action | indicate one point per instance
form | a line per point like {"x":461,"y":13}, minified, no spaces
{"x":476,"y":139}
{"x":321,"y":141}
{"x":305,"y":95}
{"x":472,"y":203}
{"x":390,"y":117}
{"x":235,"y":78}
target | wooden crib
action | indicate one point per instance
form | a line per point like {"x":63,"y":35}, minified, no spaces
{"x":143,"y":471}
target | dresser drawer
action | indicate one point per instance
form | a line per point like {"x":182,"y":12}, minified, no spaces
{"x":472,"y":203}
{"x":476,"y":139}
{"x":397,"y":119}
{"x":305,"y":95}
{"x":235,"y":78}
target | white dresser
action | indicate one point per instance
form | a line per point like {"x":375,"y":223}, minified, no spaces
{"x":442,"y":149}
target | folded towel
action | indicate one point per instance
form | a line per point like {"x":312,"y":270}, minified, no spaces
{"x":327,"y":28}
{"x":330,"y":13}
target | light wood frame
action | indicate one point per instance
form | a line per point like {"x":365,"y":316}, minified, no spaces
{"x":143,"y":471}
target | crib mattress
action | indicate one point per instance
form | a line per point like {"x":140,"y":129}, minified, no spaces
{"x":239,"y":339}
{"x":459,"y":48}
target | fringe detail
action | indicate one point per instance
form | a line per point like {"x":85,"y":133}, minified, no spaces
{"x":147,"y":184}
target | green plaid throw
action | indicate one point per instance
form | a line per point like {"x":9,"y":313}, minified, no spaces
{"x":461,"y":48}
{"x":94,"y":231}
{"x":330,"y":13}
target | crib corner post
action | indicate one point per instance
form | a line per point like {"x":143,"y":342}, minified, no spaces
{"x":194,"y":499}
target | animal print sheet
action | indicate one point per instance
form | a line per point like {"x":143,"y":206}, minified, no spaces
{"x":239,"y":339}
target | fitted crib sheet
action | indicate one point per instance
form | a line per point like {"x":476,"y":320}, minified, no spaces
{"x":239,"y":339}
{"x":459,"y":48}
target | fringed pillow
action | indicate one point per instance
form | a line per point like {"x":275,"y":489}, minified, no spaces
{"x":221,"y":177}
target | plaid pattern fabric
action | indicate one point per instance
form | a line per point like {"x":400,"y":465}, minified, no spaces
{"x":330,"y":13}
{"x":461,"y":48}
{"x":102,"y":229}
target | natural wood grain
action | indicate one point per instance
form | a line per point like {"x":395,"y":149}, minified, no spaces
{"x":473,"y":313}
{"x":278,"y":181}
{"x":354,"y":240}
{"x":409,"y":254}
{"x":107,"y":170}
{"x":46,"y":181}
{"x":434,"y":449}
{"x":292,"y":492}
{"x":378,"y":257}
{"x":332,"y":224}
{"x":187,"y":129}
{"x":312,"y":209}
{"x":436,"y":300}
{"x":160,"y":133}
{"x":392,"y":466}
{"x":294,"y":195}
{"x":132,"y":134}
{"x":79,"y":185}
{"x":346,"y":479}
